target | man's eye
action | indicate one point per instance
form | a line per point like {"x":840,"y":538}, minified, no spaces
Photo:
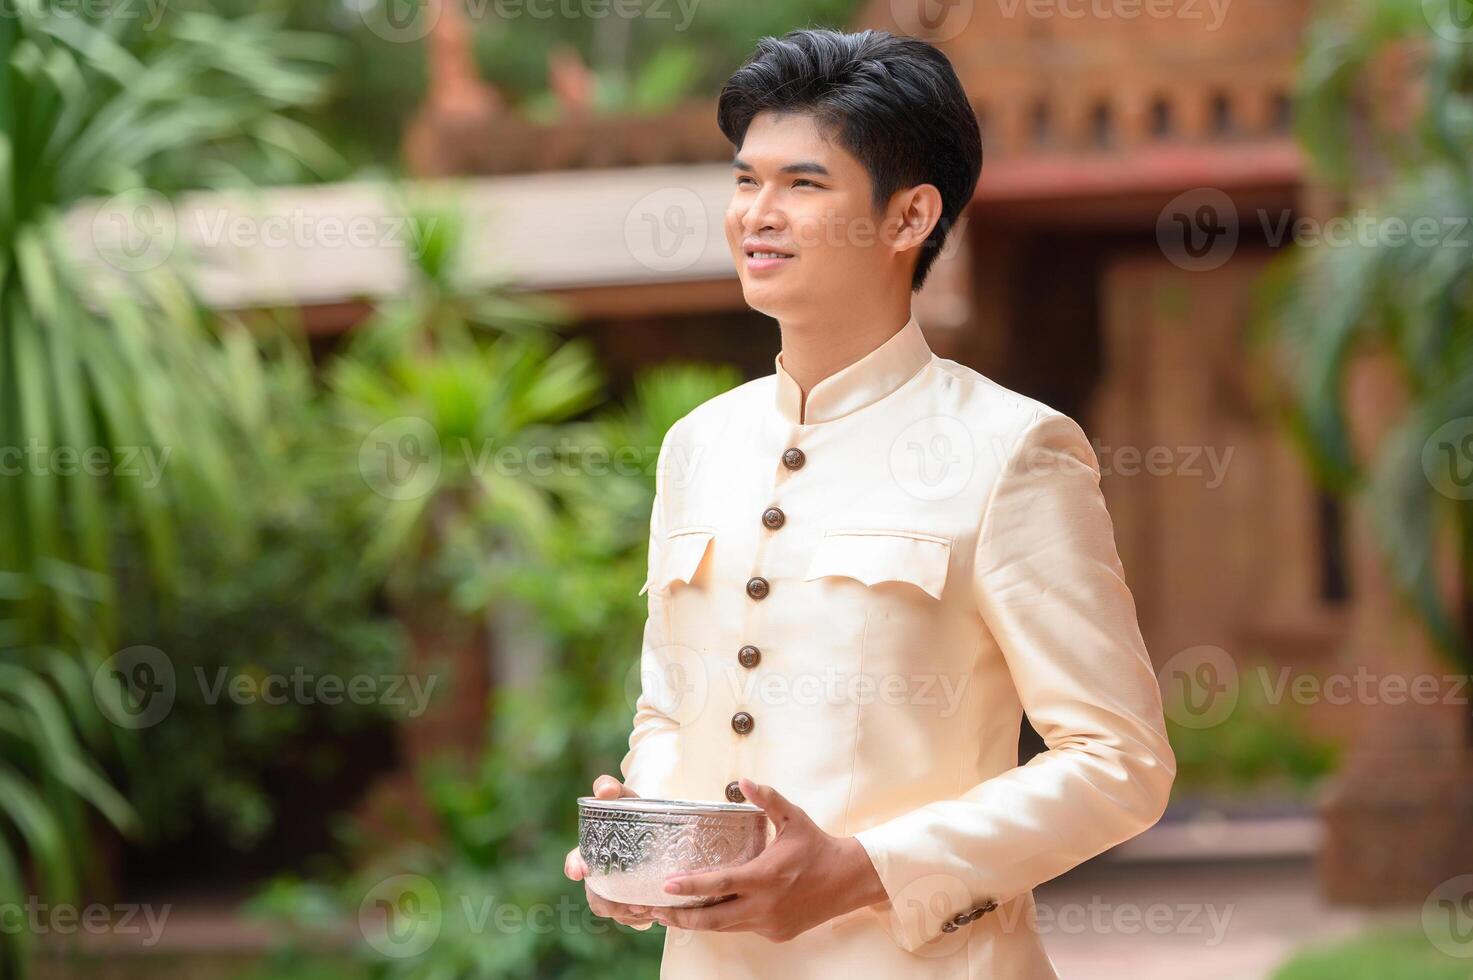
{"x":739,"y":180}
{"x":802,"y":180}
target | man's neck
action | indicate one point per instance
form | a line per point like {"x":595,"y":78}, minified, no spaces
{"x":814,"y":349}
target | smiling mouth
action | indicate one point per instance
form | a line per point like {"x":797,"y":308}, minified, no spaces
{"x":766,"y":257}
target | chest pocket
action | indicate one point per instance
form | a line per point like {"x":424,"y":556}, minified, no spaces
{"x":874,"y":555}
{"x":680,"y":557}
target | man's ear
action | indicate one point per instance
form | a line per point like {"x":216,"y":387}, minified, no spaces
{"x":914,"y":214}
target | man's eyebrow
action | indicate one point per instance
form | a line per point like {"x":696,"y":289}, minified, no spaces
{"x":801,"y":167}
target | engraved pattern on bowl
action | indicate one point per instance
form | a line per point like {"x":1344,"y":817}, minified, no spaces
{"x":630,"y":848}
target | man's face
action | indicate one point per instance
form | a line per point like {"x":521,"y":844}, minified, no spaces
{"x":800,"y":225}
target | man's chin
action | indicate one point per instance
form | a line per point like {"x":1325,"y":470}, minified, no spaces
{"x":765,"y":299}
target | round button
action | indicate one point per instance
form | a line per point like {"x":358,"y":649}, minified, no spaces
{"x":794,"y":459}
{"x":749,"y":656}
{"x":773,"y":518}
{"x":741,"y":723}
{"x":757,"y":587}
{"x":734,"y":792}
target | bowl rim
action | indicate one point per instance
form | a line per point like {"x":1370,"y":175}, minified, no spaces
{"x":643,"y":804}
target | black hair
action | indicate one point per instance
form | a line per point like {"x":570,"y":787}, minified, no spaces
{"x":893,"y":102}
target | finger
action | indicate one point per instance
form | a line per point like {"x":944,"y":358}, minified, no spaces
{"x":573,"y":866}
{"x":631,"y":919}
{"x":727,"y":881}
{"x":615,"y":910}
{"x":597,"y":904}
{"x":777,"y":807}
{"x":606,"y":787}
{"x":721,"y":917}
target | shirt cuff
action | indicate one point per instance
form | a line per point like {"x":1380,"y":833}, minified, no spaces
{"x":920,"y":903}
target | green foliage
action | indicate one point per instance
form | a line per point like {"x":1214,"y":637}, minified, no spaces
{"x":672,"y":51}
{"x":562,"y":546}
{"x":1264,"y":746}
{"x":1392,"y":293}
{"x":378,"y":83}
{"x":1381,"y":954}
{"x":94,"y":374}
{"x":445,"y":420}
{"x":294,"y":600}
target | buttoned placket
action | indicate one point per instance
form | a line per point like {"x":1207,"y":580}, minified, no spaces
{"x":874,"y":376}
{"x":751,"y":655}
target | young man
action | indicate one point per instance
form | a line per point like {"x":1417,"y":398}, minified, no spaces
{"x":865,"y":567}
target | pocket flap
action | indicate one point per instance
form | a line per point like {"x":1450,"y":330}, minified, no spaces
{"x":872,"y":555}
{"x":680,"y":557}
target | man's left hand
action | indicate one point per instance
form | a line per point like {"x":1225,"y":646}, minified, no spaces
{"x":803,"y":878}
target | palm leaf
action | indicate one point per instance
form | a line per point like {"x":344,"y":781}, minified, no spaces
{"x":90,"y":106}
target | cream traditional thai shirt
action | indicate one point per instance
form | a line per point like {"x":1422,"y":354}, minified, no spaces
{"x":856,"y":601}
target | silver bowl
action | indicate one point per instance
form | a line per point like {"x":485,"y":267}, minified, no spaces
{"x":631,"y":845}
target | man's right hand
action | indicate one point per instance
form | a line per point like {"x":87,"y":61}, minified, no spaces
{"x":606,"y":788}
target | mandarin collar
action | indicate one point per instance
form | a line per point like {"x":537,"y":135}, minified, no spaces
{"x":855,"y":385}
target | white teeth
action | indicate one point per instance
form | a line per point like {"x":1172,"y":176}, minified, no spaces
{"x":768,"y":255}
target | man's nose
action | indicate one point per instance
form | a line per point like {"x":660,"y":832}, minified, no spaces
{"x":761,"y":214}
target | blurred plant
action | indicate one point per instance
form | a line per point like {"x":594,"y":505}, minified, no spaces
{"x":1263,"y":747}
{"x":95,"y":374}
{"x":1384,"y":952}
{"x":298,"y":602}
{"x":508,"y":822}
{"x":446,"y":397}
{"x":1403,"y":298}
{"x":645,"y":62}
{"x":379,"y":77}
{"x":493,"y":499}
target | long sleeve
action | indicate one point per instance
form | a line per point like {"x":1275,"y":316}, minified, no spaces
{"x":653,"y":754}
{"x":1050,"y":586}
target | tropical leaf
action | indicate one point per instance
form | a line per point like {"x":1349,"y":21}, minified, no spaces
{"x":101,"y":367}
{"x":1400,"y":290}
